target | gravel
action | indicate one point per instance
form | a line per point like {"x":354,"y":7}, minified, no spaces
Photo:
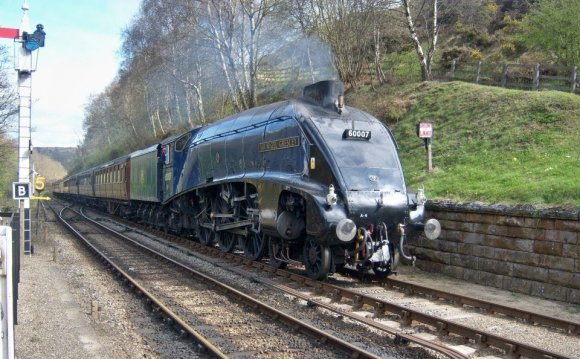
{"x":59,"y":287}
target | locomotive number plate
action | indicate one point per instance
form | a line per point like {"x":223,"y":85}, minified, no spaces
{"x":356,"y":135}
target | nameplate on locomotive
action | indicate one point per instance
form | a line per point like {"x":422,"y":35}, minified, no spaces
{"x":280,"y":144}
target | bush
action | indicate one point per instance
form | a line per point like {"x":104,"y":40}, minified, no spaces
{"x":508,"y":48}
{"x":473,"y":36}
{"x":475,"y":54}
{"x":460,"y":54}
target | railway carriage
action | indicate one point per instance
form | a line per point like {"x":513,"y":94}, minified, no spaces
{"x":110,"y":180}
{"x":84,"y":183}
{"x":69,"y":186}
{"x":308,"y":181}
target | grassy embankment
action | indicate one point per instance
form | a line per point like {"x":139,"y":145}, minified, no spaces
{"x":491,"y":145}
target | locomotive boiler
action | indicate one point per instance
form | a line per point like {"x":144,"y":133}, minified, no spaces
{"x":309,"y":181}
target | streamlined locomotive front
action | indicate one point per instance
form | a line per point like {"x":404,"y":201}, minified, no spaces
{"x":367,"y":204}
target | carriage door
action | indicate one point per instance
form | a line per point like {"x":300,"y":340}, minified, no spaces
{"x":167,"y":171}
{"x":178,"y":156}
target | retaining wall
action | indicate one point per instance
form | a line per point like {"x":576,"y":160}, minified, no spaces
{"x":521,"y":248}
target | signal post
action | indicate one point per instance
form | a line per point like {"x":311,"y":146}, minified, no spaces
{"x":25,"y":44}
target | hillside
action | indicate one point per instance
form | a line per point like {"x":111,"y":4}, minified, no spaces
{"x":48,"y":167}
{"x":64,"y":155}
{"x":492,"y":145}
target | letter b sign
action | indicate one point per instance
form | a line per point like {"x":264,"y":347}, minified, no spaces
{"x":21,"y":190}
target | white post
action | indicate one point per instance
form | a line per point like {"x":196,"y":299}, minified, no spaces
{"x":6,"y":294}
{"x":429,"y":156}
{"x":24,"y":139}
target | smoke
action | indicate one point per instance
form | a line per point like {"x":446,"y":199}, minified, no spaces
{"x":298,"y":61}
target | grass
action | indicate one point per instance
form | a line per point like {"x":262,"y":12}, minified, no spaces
{"x":491,"y":145}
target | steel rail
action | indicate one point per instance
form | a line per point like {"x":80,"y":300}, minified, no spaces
{"x":150,"y":296}
{"x":481,"y":337}
{"x":445,"y":350}
{"x":399,"y":334}
{"x":571,"y":327}
{"x":272,"y":312}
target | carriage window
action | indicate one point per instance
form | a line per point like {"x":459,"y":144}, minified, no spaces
{"x":168,"y":154}
{"x":182,"y":143}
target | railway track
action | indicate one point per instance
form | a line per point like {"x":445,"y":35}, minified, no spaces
{"x":213,"y":316}
{"x":568,"y":326}
{"x":325,"y":295}
{"x":381,"y":314}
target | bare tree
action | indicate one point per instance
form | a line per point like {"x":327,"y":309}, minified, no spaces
{"x":256,"y":12}
{"x":221,"y":20}
{"x":189,"y":62}
{"x":432,"y":30}
{"x":8,"y":97}
{"x":97,"y":123}
{"x":350,"y":27}
{"x":8,"y":110}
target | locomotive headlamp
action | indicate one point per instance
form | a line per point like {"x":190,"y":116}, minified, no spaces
{"x":331,"y":196}
{"x":345,"y":230}
{"x":432,"y":229}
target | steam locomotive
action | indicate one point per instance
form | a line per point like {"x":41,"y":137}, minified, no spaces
{"x":305,"y":181}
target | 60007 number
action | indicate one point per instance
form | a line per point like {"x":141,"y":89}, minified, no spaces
{"x":356,"y":135}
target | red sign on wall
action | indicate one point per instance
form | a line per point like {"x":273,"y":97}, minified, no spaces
{"x":8,"y":33}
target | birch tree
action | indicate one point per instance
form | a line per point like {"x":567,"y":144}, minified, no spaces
{"x":352,"y":29}
{"x":432,"y":31}
{"x":8,"y":97}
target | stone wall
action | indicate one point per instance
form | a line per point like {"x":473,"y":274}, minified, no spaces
{"x":521,"y":249}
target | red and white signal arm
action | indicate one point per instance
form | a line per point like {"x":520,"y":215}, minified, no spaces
{"x":425,"y":130}
{"x":9,"y":33}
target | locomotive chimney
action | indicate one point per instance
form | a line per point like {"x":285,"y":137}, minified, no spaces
{"x":326,"y":94}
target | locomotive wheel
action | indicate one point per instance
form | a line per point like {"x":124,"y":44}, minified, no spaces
{"x":205,"y":236}
{"x":316,"y":259}
{"x":255,"y":246}
{"x":275,"y":252}
{"x":226,"y":241}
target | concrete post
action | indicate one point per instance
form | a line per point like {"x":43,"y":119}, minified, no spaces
{"x":6,"y":294}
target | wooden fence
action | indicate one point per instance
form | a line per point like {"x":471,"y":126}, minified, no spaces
{"x":521,"y":76}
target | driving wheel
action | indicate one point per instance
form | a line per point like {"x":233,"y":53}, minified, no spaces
{"x":226,"y":240}
{"x":205,"y":234}
{"x":316,"y":259}
{"x":255,"y":246}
